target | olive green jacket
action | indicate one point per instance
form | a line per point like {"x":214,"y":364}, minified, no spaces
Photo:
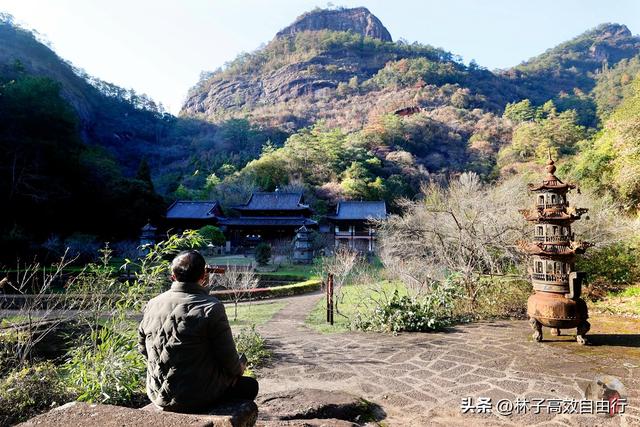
{"x":191,"y":356}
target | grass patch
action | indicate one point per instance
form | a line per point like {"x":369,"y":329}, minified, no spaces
{"x":14,"y":319}
{"x":303,"y":271}
{"x":622,"y":303}
{"x":632,"y":291}
{"x":230,"y":260}
{"x":254,"y":313}
{"x":501,"y":298}
{"x":352,"y":299}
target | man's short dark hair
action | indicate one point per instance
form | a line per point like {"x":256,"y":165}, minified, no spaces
{"x":188,"y":266}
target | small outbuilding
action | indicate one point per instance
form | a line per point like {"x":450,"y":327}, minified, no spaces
{"x":354,"y":223}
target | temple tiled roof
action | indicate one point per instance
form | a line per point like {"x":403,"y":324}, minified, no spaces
{"x":360,"y":210}
{"x":276,"y":200}
{"x":184,"y":209}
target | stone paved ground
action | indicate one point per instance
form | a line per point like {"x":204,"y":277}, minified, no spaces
{"x":420,"y":379}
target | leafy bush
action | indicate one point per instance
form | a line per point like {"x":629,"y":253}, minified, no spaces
{"x":212,"y":234}
{"x":8,"y":343}
{"x":610,"y":268}
{"x":422,"y":313}
{"x":251,"y":343}
{"x":29,"y":391}
{"x":500,"y":297}
{"x":263,"y":253}
{"x":108,"y":371}
{"x":617,"y":263}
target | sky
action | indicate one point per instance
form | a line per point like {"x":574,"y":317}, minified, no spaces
{"x":159,"y":47}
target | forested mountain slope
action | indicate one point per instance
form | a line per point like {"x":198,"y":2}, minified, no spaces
{"x":331,"y":105}
{"x":79,"y":155}
{"x":373,"y":118}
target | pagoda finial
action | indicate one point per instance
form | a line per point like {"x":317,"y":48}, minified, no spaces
{"x":551,"y":167}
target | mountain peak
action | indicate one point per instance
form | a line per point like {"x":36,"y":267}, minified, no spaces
{"x":611,"y":31}
{"x":358,"y":20}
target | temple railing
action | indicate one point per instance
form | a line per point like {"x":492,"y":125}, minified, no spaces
{"x":552,"y":239}
{"x":551,"y":205}
{"x":550,"y":277}
{"x":355,"y":234}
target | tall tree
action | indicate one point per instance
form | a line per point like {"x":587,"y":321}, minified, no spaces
{"x":144,"y":173}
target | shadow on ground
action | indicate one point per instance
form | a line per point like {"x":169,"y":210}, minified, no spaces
{"x":617,"y":340}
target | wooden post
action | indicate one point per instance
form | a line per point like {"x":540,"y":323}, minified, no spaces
{"x":330,"y":298}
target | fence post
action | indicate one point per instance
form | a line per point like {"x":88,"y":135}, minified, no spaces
{"x":330,"y":298}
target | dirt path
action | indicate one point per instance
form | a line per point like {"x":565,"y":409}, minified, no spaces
{"x":421,"y":379}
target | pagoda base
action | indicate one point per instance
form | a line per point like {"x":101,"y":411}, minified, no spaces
{"x":557,"y":312}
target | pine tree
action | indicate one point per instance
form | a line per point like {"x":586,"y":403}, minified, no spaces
{"x":144,"y":173}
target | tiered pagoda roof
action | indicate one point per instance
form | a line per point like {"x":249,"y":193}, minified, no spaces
{"x":551,"y":215}
{"x":554,"y":250}
{"x":551,"y":182}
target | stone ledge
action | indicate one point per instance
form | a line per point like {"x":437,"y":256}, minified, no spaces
{"x":314,"y":407}
{"x":236,"y":414}
{"x":313,"y":422}
{"x":243,"y":414}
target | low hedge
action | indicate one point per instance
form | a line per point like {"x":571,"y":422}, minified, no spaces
{"x":281,"y":277}
{"x":16,"y":302}
{"x":273,"y":292}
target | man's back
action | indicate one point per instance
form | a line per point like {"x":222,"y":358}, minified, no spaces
{"x":191,"y":356}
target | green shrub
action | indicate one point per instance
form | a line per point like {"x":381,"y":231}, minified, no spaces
{"x":30,"y":391}
{"x":108,"y":370}
{"x":610,"y":268}
{"x":251,"y":343}
{"x":263,"y":253}
{"x":424,"y":313}
{"x":212,"y":234}
{"x":498,"y":297}
{"x":9,"y":341}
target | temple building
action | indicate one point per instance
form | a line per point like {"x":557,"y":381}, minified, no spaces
{"x":183,"y":215}
{"x":268,"y":217}
{"x":353,"y":224}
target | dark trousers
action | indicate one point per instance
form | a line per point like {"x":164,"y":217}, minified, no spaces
{"x":245,"y":388}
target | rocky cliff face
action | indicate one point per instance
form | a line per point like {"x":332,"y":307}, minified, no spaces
{"x":319,"y":63}
{"x":299,"y":74}
{"x":304,"y":78}
{"x":613,"y":42}
{"x":358,"y":20}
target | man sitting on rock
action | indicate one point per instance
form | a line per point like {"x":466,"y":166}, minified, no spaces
{"x":192,"y":361}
